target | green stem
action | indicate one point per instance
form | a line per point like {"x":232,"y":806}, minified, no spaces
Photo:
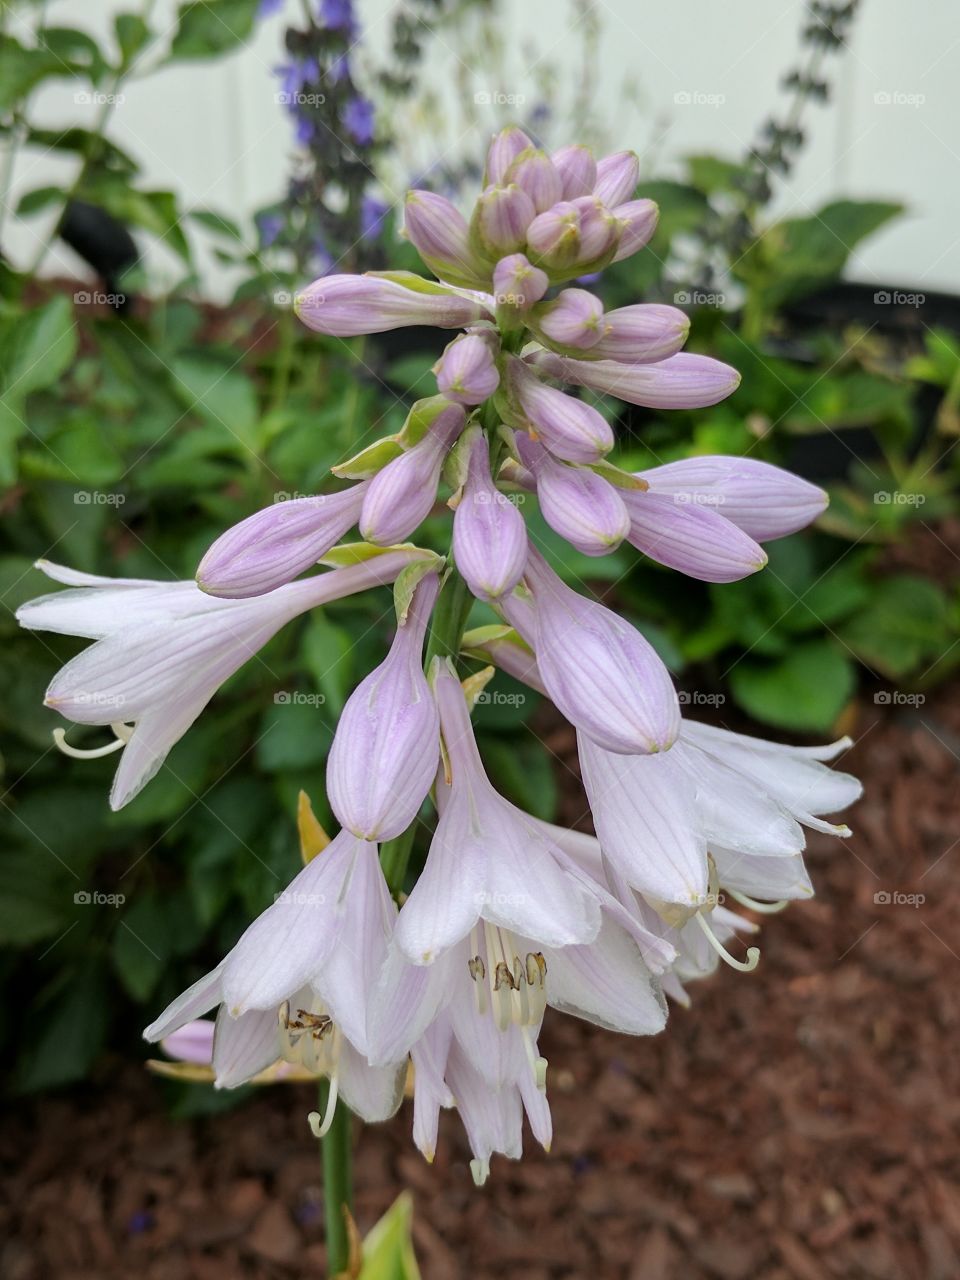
{"x":337,"y":1155}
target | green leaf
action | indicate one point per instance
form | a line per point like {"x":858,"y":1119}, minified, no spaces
{"x":523,"y":771}
{"x":37,"y":200}
{"x":328,"y":653}
{"x":36,"y":349}
{"x":206,"y":28}
{"x":224,"y":395}
{"x":70,"y":1032}
{"x":804,"y":691}
{"x":904,"y":626}
{"x":34,"y":901}
{"x":74,"y":49}
{"x":140,"y":948}
{"x":133,"y":35}
{"x":388,"y":1248}
{"x":296,"y":732}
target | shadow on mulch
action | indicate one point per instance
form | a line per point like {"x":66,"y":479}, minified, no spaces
{"x":795,"y":1124}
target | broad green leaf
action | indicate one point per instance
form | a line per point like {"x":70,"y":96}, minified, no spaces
{"x":804,"y":691}
{"x":328,"y":654}
{"x":70,"y":1033}
{"x":132,"y":34}
{"x":903,"y":627}
{"x":140,"y":945}
{"x":35,"y":900}
{"x":223,"y":394}
{"x":36,"y":349}
{"x":388,"y":1248}
{"x":206,"y":28}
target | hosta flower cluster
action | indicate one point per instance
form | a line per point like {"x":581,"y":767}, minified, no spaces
{"x":509,"y":914}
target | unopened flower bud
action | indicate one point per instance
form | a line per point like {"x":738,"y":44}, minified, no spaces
{"x":489,"y":534}
{"x":553,"y":237}
{"x":617,"y":178}
{"x":574,"y":319}
{"x":640,"y":334}
{"x":439,"y":233}
{"x":577,"y":169}
{"x":503,"y":150}
{"x":467,"y":372}
{"x":569,"y":428}
{"x":639,"y":219}
{"x":273,"y":546}
{"x":400,"y":497}
{"x":500,"y":220}
{"x":517,"y":284}
{"x":533,"y":171}
{"x":683,"y":381}
{"x":346,"y":306}
{"x":578,"y":504}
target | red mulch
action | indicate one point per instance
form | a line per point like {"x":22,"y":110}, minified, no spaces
{"x":799,"y":1123}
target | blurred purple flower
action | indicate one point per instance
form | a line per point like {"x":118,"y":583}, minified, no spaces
{"x":372,"y":214}
{"x":357,"y":119}
{"x":267,"y":8}
{"x":338,"y":15}
{"x":269,"y":226}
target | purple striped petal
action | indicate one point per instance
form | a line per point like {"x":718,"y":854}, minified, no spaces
{"x":692,"y":539}
{"x":489,"y":534}
{"x":684,"y":381}
{"x":347,"y":306}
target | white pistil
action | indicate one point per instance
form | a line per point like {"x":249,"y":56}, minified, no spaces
{"x":319,"y":1128}
{"x":745,"y":966}
{"x":122,"y":732}
{"x":480,"y":1171}
{"x":765,"y":908}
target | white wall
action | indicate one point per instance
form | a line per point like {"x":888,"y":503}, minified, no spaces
{"x":216,"y":134}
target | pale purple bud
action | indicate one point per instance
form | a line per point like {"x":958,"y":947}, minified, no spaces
{"x":641,"y":334}
{"x":401,"y":496}
{"x":600,"y":230}
{"x":489,"y":535}
{"x":601,"y":673}
{"x":690,"y":538}
{"x":617,"y":178}
{"x":518,"y":284}
{"x":500,"y":220}
{"x":554,"y":237}
{"x":638,"y":220}
{"x":440,"y":234}
{"x":684,"y":381}
{"x":574,"y":319}
{"x":764,"y":501}
{"x":193,"y":1042}
{"x":577,"y":169}
{"x":534,"y":172}
{"x":503,"y":150}
{"x":569,"y":428}
{"x":273,"y":546}
{"x":386,"y":749}
{"x":346,"y":306}
{"x":467,"y":372}
{"x":578,"y":504}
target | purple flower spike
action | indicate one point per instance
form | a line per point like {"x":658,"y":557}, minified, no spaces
{"x":517,"y":284}
{"x":440,"y":235}
{"x":569,"y":428}
{"x":764,"y":501}
{"x":467,"y":372}
{"x":690,"y":538}
{"x":577,"y":169}
{"x":504,"y":149}
{"x":533,"y":171}
{"x":400,"y":497}
{"x":602,"y":674}
{"x":574,"y":319}
{"x":273,"y":546}
{"x":500,"y":220}
{"x":617,"y":178}
{"x":684,"y":381}
{"x":641,"y":334}
{"x":578,"y":504}
{"x":387,"y":745}
{"x":489,"y":534}
{"x":639,"y":221}
{"x":347,"y":306}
